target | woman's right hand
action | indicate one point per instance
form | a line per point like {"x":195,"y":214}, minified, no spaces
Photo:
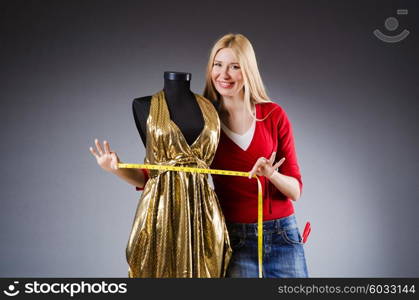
{"x":107,"y":159}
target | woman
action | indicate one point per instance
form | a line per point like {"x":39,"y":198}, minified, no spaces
{"x":255,"y":131}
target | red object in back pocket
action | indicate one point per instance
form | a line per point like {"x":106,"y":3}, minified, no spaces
{"x":307,"y":230}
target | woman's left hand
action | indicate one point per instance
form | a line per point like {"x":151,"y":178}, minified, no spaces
{"x":264,"y":167}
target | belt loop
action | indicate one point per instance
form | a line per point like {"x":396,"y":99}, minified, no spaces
{"x":278,"y":225}
{"x":243,"y":230}
{"x":255,"y":229}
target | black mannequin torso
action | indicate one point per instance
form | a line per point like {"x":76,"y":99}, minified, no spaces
{"x":183,"y":107}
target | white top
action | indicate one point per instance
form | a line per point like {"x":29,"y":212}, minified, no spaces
{"x":241,"y":140}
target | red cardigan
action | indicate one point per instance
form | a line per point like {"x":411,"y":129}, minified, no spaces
{"x":238,"y":195}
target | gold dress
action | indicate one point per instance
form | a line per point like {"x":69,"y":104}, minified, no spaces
{"x":178,"y":229}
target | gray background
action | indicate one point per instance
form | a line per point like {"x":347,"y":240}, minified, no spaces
{"x":70,"y":69}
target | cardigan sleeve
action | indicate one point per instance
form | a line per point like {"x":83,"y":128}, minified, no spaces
{"x":146,"y":177}
{"x":286,"y":148}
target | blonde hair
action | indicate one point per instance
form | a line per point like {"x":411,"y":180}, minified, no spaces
{"x":254,"y":90}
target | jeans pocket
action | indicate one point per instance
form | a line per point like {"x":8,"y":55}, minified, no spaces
{"x":236,"y":241}
{"x":292,"y":236}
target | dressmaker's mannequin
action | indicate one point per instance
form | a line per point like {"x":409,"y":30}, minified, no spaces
{"x":183,"y":107}
{"x":178,"y":219}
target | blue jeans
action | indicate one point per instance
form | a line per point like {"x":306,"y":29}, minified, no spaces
{"x":283,"y":252}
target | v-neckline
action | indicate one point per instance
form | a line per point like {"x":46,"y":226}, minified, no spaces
{"x":177,"y":127}
{"x":253,"y":137}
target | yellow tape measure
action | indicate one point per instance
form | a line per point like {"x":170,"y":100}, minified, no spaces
{"x":216,"y":172}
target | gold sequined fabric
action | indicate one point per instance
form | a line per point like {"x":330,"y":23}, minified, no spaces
{"x":178,"y":229}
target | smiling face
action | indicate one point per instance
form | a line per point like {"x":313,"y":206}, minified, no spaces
{"x":226,"y":74}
